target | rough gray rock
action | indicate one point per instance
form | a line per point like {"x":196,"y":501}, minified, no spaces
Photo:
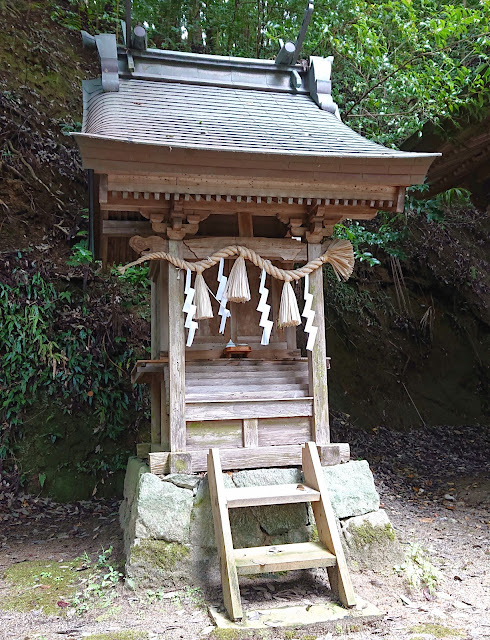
{"x":183,"y":480}
{"x":163,"y":511}
{"x":135,"y":469}
{"x":375,"y":520}
{"x":263,"y":477}
{"x":371,"y":540}
{"x":351,"y":489}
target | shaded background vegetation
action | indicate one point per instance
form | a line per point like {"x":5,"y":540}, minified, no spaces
{"x":408,"y":335}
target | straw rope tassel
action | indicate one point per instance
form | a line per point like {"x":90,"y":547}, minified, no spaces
{"x":309,"y":314}
{"x":288,"y":309}
{"x":237,"y":287}
{"x":204,"y":310}
{"x":189,"y":309}
{"x":264,"y":309}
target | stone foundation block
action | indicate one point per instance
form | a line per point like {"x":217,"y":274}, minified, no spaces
{"x":168,"y":523}
{"x":371,"y":540}
{"x":351,"y":488}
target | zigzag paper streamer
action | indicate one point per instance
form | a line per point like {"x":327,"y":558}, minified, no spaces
{"x":190,"y":309}
{"x":221,"y":298}
{"x":309,"y":314}
{"x":264,"y":309}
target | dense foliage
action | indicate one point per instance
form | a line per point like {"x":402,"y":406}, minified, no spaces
{"x":53,"y":346}
{"x":398,"y":63}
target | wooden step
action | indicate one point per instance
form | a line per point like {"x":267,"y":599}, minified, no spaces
{"x":212,"y":378}
{"x":236,"y":409}
{"x":283,"y":557}
{"x":248,"y":361}
{"x":197,"y":394}
{"x":270,"y":494}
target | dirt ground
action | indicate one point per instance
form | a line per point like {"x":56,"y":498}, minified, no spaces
{"x":448,"y":518}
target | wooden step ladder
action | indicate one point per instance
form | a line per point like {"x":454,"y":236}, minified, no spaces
{"x":327,"y":552}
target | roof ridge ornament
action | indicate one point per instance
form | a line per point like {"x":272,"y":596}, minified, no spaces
{"x":107,"y":49}
{"x":320,"y":84}
{"x":289,"y":52}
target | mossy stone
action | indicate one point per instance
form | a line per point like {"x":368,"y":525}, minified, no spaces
{"x":367,"y":534}
{"x":159,"y":554}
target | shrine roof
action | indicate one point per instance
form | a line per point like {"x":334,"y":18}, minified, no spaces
{"x":222,"y":118}
{"x":220,"y":103}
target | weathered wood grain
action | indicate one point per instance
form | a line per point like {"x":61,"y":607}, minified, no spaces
{"x":243,"y":458}
{"x":224,"y":541}
{"x":176,"y":351}
{"x":326,"y":524}
{"x":317,"y":358}
{"x":237,"y":409}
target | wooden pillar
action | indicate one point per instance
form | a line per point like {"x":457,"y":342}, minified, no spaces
{"x":317,"y":359}
{"x":155,"y":386}
{"x":163,"y":288}
{"x":176,"y":352}
{"x":163,"y":349}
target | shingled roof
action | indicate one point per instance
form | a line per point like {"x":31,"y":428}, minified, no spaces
{"x":222,"y":118}
{"x":222,"y":103}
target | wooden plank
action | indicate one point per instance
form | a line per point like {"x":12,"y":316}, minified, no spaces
{"x":317,"y":359}
{"x":263,"y":183}
{"x":283,"y":557}
{"x":224,"y":541}
{"x":245,"y":226}
{"x":237,"y":389}
{"x":238,"y":409}
{"x":326,"y":524}
{"x":208,"y":433}
{"x":242,"y":380}
{"x":179,"y":462}
{"x":143,"y":449}
{"x":277,"y":431}
{"x":245,"y":365}
{"x":156,"y":381}
{"x":144,"y":370}
{"x":212,"y":344}
{"x":210,"y":158}
{"x":267,"y":354}
{"x":250,"y":432}
{"x":159,"y":462}
{"x":252,"y":363}
{"x":332,"y":454}
{"x":155,"y":410}
{"x":155,"y":313}
{"x":280,"y":456}
{"x":271,"y":494}
{"x":126,"y":228}
{"x":239,"y":458}
{"x":103,"y":181}
{"x":162,"y":285}
{"x":205,"y":395}
{"x":176,"y":351}
{"x":279,"y":249}
{"x":201,"y":247}
{"x":164,"y":415}
{"x":145,"y":157}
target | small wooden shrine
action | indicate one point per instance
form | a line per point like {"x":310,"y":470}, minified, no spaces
{"x":193,"y":154}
